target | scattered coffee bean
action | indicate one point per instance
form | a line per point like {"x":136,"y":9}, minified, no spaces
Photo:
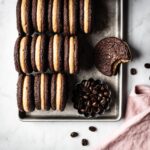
{"x":133,"y":71}
{"x":92,"y":128}
{"x":85,"y":142}
{"x":74,"y":134}
{"x":147,"y":65}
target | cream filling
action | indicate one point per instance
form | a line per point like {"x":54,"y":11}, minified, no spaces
{"x":55,"y":15}
{"x":25,"y":94}
{"x":56,"y":46}
{"x":42,"y":95}
{"x":71,"y":14}
{"x":59,"y":91}
{"x":86,"y":15}
{"x":22,"y":54}
{"x":71,"y":55}
{"x":37,"y":53}
{"x":23,"y":15}
{"x":39,"y":15}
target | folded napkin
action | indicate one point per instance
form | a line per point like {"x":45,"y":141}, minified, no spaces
{"x":135,"y":132}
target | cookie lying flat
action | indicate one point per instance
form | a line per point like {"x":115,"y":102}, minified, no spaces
{"x":58,"y":92}
{"x":25,"y":94}
{"x":23,"y":12}
{"x":55,"y":53}
{"x":71,"y":59}
{"x":86,"y":15}
{"x":42,"y":92}
{"x":39,"y":15}
{"x":70,"y":16}
{"x":56,"y":15}
{"x":109,"y":53}
{"x":39,"y":53}
{"x":22,"y":55}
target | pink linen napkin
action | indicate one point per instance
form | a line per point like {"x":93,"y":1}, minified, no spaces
{"x":135,"y":132}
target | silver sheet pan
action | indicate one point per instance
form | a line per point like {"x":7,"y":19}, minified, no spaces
{"x":108,"y":22}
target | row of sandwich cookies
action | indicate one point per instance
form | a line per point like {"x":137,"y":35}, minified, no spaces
{"x":54,"y":16}
{"x":41,"y":92}
{"x":39,"y":53}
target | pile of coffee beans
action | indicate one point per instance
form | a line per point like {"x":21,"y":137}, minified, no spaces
{"x":91,"y":97}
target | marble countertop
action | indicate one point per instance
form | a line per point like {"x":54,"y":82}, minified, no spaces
{"x":16,"y":135}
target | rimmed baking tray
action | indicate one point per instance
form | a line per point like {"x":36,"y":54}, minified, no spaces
{"x":108,"y":22}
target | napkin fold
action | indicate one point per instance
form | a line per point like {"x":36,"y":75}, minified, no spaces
{"x":135,"y":132}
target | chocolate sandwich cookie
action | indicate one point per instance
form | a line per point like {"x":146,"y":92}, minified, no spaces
{"x":25,"y":93}
{"x":56,"y":16}
{"x":109,"y":53}
{"x":70,"y":16}
{"x":71,"y":65}
{"x":58,"y":92}
{"x":23,"y":12}
{"x":39,"y":15}
{"x":55,"y":53}
{"x":39,"y":53}
{"x":86,"y":15}
{"x":22,"y":55}
{"x":42,"y":91}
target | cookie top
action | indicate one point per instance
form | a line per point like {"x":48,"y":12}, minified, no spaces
{"x":57,"y":16}
{"x":22,"y":55}
{"x":23,"y":13}
{"x":39,"y":15}
{"x":40,"y":53}
{"x":58,"y":92}
{"x":25,"y":96}
{"x":57,"y":53}
{"x":42,"y":91}
{"x":86,"y":15}
{"x":109,"y":53}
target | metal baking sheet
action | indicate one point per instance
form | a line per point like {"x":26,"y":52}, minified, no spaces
{"x":108,"y":22}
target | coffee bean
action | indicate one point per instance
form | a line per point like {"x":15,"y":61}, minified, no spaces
{"x":147,"y":65}
{"x":85,"y":142}
{"x":85,"y":97}
{"x":92,"y":128}
{"x":133,"y":71}
{"x":74,"y":134}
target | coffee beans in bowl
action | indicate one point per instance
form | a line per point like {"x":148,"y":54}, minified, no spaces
{"x":91,"y":97}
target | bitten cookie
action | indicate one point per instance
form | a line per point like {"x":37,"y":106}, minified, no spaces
{"x":22,"y":55}
{"x":39,"y":18}
{"x":56,"y":15}
{"x":86,"y":15}
{"x":42,"y":92}
{"x":23,"y":13}
{"x":55,"y":53}
{"x":70,"y":16}
{"x":39,"y":53}
{"x":109,"y":53}
{"x":71,"y":64}
{"x":25,"y":94}
{"x":58,"y":92}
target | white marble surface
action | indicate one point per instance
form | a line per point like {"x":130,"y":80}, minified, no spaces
{"x":16,"y":135}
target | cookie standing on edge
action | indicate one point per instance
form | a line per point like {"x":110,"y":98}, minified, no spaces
{"x":58,"y":92}
{"x":55,"y":53}
{"x":71,"y":64}
{"x":86,"y":15}
{"x":39,"y":15}
{"x":39,"y":53}
{"x":25,"y":94}
{"x":42,"y":92}
{"x":70,"y":16}
{"x":22,"y":55}
{"x":56,"y":16}
{"x":109,"y":53}
{"x":23,"y":13}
